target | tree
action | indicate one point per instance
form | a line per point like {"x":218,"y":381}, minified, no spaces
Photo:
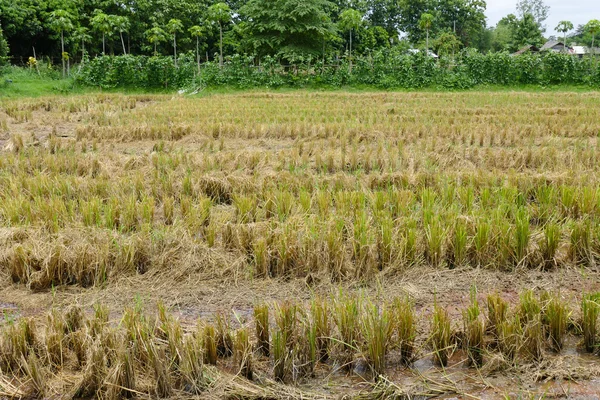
{"x":350,"y":20}
{"x":291,"y":29}
{"x":121,"y":24}
{"x":527,"y":32}
{"x":155,"y":36}
{"x":425,"y":23}
{"x":197,"y":31}
{"x":537,"y":9}
{"x":103,"y":24}
{"x":174,"y":26}
{"x":220,"y":13}
{"x":61,"y":21}
{"x":564,"y":27}
{"x":81,"y":35}
{"x":593,"y":27}
{"x":4,"y":50}
{"x":446,"y":43}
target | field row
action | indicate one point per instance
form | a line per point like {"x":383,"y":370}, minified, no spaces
{"x":290,"y":342}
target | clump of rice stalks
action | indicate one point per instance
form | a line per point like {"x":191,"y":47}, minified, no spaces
{"x":529,"y":307}
{"x":549,"y":244}
{"x":320,"y":320}
{"x":280,"y":356}
{"x":441,"y":335}
{"x":457,"y":251}
{"x":74,"y":319}
{"x":533,"y":338}
{"x":218,"y":190}
{"x":192,"y":366}
{"x":18,"y":339}
{"x":556,"y":314}
{"x":55,"y":333}
{"x":93,"y":374}
{"x":580,"y":249}
{"x":261,"y":318}
{"x":243,"y":353}
{"x":521,"y":238}
{"x":509,"y":337}
{"x":160,"y":364}
{"x":406,"y":328}
{"x":261,"y":257}
{"x":474,"y":331}
{"x":210,"y":345}
{"x":307,"y":347}
{"x":497,"y":312}
{"x":434,"y":239}
{"x":590,"y":308}
{"x":99,"y":321}
{"x":16,"y":144}
{"x":377,"y":328}
{"x":224,"y":338}
{"x":346,"y":316}
{"x":121,"y":378}
{"x":36,"y":374}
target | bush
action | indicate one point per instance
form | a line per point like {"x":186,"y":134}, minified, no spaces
{"x":387,"y":69}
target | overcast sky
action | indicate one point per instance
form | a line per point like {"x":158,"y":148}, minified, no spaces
{"x":576,"y":11}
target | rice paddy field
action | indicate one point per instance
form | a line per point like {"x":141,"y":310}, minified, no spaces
{"x":300,"y":245}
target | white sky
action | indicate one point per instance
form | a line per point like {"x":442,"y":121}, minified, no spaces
{"x":576,"y":11}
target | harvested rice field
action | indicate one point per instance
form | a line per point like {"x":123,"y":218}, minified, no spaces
{"x":301,"y":245}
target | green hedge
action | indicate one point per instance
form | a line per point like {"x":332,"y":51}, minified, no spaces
{"x":383,"y":69}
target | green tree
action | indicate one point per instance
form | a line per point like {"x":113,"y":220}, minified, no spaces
{"x":446,"y":43}
{"x":292,"y":29}
{"x":527,"y":32}
{"x":173,"y":26}
{"x":537,"y":9}
{"x":593,"y":27}
{"x":197,"y":32}
{"x":82,"y":35}
{"x":121,"y":24}
{"x":350,"y":20}
{"x":220,"y":13}
{"x":564,"y":27}
{"x":425,"y":23}
{"x":155,"y":36}
{"x":4,"y":49}
{"x":60,"y":22}
{"x":102,"y":23}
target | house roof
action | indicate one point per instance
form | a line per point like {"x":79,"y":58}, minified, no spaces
{"x":525,"y":49}
{"x":550,"y":44}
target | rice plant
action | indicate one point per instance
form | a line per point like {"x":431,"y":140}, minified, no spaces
{"x":590,"y":308}
{"x":377,"y":328}
{"x":243,"y":353}
{"x":474,"y":327}
{"x":406,"y":328}
{"x":441,"y":334}
{"x":556,"y":314}
{"x":261,"y":317}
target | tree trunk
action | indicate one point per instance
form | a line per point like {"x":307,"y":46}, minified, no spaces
{"x":62,"y":53}
{"x":221,"y":45}
{"x":198,"y":53}
{"x":175,"y":48}
{"x":82,"y":51}
{"x":427,"y":49}
{"x":123,"y":43}
{"x":155,"y":49}
{"x":350,"y":51}
{"x":103,"y":44}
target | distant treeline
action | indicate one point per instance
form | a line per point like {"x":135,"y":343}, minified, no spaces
{"x":385,"y":69}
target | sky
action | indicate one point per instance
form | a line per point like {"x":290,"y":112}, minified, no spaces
{"x":576,"y":11}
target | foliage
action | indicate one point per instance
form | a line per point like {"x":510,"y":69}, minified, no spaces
{"x":288,"y":28}
{"x":4,"y":50}
{"x":386,"y":69}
